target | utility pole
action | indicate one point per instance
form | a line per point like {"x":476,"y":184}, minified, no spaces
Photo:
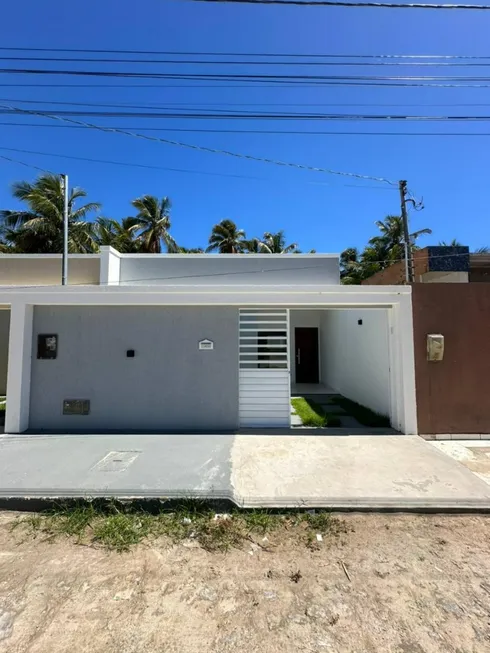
{"x":64,"y":272}
{"x":402,"y":185}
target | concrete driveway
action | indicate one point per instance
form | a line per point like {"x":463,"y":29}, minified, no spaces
{"x":357,"y":472}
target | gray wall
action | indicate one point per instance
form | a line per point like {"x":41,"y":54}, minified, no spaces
{"x":169,"y":385}
{"x":355,"y":358}
{"x":234,"y":269}
{"x":4,"y":348}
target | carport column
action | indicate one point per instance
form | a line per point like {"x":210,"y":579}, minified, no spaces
{"x":19,"y":368}
{"x":110,"y":266}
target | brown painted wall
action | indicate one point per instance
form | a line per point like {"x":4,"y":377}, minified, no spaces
{"x":394,"y":275}
{"x":453,"y":396}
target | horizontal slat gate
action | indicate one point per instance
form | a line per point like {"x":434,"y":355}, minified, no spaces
{"x":264,"y":383}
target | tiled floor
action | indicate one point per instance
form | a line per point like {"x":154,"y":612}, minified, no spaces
{"x":301,"y":389}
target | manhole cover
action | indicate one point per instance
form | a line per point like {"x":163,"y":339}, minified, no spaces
{"x":116,"y":461}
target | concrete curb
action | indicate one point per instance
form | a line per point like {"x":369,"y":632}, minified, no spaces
{"x":29,"y":499}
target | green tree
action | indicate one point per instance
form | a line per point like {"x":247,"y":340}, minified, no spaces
{"x":39,"y":228}
{"x":275,"y":243}
{"x":152,"y":222}
{"x":226,"y":238}
{"x":391,"y":242}
{"x":252,"y":246}
{"x":120,"y":235}
{"x":191,"y":250}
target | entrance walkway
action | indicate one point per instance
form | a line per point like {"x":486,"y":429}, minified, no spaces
{"x":357,"y":472}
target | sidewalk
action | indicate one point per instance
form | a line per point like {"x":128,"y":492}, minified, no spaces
{"x":344,"y":473}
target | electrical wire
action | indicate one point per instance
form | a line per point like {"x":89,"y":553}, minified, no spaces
{"x":199,"y":62}
{"x":248,"y":54}
{"x":23,"y":163}
{"x":258,"y":131}
{"x":430,"y":81}
{"x":340,"y":3}
{"x":199,"y":172}
{"x":257,"y":116}
{"x":201,"y":148}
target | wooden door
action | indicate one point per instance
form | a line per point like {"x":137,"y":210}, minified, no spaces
{"x":306,"y":354}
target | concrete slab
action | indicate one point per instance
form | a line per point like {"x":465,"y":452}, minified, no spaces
{"x":473,"y":454}
{"x":357,"y":472}
{"x":82,"y":465}
{"x":366,"y":472}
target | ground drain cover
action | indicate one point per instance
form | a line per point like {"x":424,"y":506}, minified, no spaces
{"x":116,"y":461}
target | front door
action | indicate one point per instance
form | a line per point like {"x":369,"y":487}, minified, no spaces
{"x":306,"y":354}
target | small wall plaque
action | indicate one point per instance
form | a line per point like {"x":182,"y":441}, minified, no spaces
{"x":206,"y":344}
{"x":47,"y":346}
{"x":76,"y":406}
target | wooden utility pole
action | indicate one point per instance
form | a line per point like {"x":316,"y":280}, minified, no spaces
{"x":409,"y":278}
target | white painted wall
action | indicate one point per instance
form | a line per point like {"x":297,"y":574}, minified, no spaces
{"x":301,"y":318}
{"x":4,"y":348}
{"x":229,"y":269}
{"x":355,"y":358}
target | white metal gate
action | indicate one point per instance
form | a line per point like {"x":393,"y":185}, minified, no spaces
{"x":264,"y":386}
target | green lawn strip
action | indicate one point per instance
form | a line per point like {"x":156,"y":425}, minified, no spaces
{"x":312,"y":414}
{"x":120,"y":526}
{"x":363,"y":415}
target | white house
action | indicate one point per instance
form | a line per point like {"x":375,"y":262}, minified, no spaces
{"x":181,"y":342}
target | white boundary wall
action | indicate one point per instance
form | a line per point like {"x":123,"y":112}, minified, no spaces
{"x":355,"y":355}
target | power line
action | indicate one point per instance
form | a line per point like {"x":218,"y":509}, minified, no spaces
{"x":256,"y":131}
{"x":248,"y":54}
{"x":256,"y":116}
{"x":199,"y":172}
{"x":201,"y":148}
{"x":23,"y":163}
{"x":344,"y":80}
{"x":340,"y":3}
{"x":200,"y":62}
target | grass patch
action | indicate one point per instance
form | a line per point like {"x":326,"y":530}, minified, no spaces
{"x":364,"y":415}
{"x":312,"y":414}
{"x":120,"y":526}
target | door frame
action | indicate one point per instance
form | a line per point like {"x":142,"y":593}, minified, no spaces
{"x":318,"y":358}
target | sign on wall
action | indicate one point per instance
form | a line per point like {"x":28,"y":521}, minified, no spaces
{"x":206,"y":344}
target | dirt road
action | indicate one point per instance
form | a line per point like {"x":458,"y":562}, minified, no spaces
{"x":390,"y":584}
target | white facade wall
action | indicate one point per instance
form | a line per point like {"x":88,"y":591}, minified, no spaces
{"x":233,"y":269}
{"x":355,"y":358}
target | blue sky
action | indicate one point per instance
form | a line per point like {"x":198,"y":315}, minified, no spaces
{"x":317,"y":210}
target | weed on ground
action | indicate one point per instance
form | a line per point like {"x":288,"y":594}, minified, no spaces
{"x":120,"y":526}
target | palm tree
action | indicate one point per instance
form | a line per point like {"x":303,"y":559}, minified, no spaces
{"x":226,"y":238}
{"x":120,"y":235}
{"x":276,"y":243}
{"x":191,"y":250}
{"x":153,"y":224}
{"x":252,"y":246}
{"x":392,"y":240}
{"x":454,"y":243}
{"x":39,"y":228}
